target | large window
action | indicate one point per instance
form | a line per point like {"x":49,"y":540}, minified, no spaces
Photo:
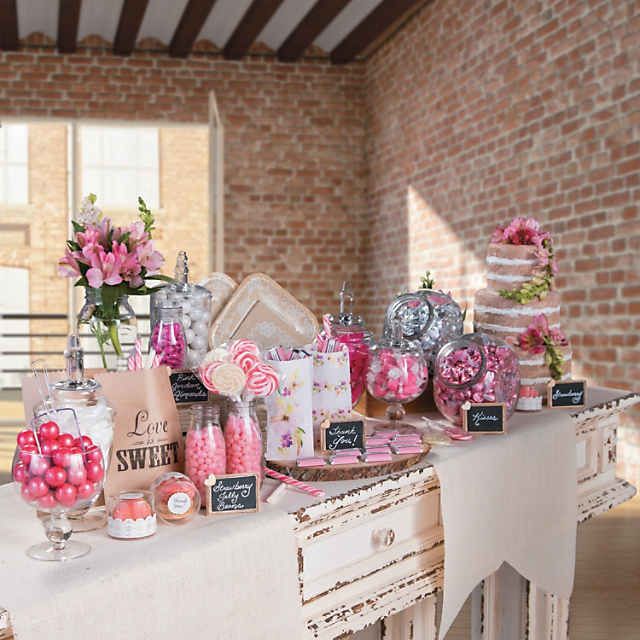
{"x":119,"y":163}
{"x":14,"y":164}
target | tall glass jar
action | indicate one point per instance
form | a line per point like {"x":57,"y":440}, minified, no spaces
{"x":475,"y":368}
{"x":243,"y":439}
{"x":108,"y":333}
{"x":204,"y":446}
{"x":349,"y":329}
{"x":167,"y":338}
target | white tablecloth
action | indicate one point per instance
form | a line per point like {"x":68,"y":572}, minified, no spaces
{"x":232,"y":578}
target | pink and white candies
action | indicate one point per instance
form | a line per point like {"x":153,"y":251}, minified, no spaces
{"x":396,"y":374}
{"x":475,"y":368}
{"x":205,"y":450}
{"x":243,"y":440}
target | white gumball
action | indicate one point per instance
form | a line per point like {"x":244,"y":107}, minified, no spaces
{"x":189,"y":335}
{"x":186,"y":321}
{"x":199,"y":343}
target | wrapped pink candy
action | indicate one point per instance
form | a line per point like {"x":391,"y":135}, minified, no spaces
{"x":167,"y":338}
{"x":475,"y":369}
{"x":396,"y":376}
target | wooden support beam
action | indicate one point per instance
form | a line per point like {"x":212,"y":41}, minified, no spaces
{"x":68,"y":18}
{"x":131,"y":17}
{"x":371,"y":28}
{"x":248,"y":29}
{"x":193,"y":18}
{"x":309,"y":28}
{"x":8,"y":25}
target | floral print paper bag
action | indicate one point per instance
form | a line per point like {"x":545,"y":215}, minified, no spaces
{"x":290,"y":428}
{"x":331,"y":387}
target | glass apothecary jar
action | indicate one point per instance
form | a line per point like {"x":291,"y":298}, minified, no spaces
{"x":349,"y":329}
{"x":475,"y":368}
{"x":427,"y":316}
{"x":205,"y":451}
{"x":195,"y":304}
{"x":168,"y":338}
{"x":397,"y":372}
{"x":243,"y":439}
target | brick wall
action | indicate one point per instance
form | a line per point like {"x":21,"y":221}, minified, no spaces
{"x":295,"y":169}
{"x":480,"y":111}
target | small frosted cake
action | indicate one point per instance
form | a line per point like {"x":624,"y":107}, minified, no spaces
{"x":529,"y":399}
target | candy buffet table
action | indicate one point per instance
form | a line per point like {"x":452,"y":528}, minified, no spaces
{"x":373,"y":549}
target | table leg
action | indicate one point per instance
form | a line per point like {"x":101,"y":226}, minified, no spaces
{"x":415,"y":623}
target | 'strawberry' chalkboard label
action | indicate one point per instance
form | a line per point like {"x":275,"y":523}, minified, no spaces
{"x":187,"y":388}
{"x":342,"y":434}
{"x":485,"y":417}
{"x":570,"y":393}
{"x":233,"y":493}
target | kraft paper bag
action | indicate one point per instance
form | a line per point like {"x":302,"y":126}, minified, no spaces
{"x":289,"y":426}
{"x":147,"y":439}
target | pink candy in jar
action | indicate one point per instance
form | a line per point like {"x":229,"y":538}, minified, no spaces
{"x":475,"y":369}
{"x":167,"y":338}
{"x":205,"y":450}
{"x":243,"y":440}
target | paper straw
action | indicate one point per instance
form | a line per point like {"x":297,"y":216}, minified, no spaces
{"x":307,"y":488}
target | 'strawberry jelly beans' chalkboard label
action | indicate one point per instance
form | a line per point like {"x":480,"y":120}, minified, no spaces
{"x":187,"y":388}
{"x":347,"y":434}
{"x":236,"y":493}
{"x":488,"y":417}
{"x":571,"y":393}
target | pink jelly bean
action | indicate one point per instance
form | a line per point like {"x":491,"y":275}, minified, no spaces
{"x":243,"y":444}
{"x":204,"y":455}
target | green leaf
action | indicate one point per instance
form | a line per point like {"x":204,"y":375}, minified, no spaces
{"x":145,"y":215}
{"x":78,"y":227}
{"x":159,"y":276}
{"x":73,"y":245}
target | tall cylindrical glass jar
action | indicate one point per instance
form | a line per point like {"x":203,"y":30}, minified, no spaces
{"x":243,"y":439}
{"x":167,"y":338}
{"x":204,"y":446}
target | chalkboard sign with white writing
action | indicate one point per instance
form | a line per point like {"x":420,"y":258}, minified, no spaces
{"x":234,"y":493}
{"x":485,"y":417}
{"x":187,"y":388}
{"x":571,"y":393}
{"x":342,"y":434}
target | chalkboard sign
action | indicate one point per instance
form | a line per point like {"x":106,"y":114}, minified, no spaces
{"x":234,"y":493}
{"x":342,"y":434}
{"x":571,"y":393}
{"x":187,"y":388}
{"x":485,"y":417}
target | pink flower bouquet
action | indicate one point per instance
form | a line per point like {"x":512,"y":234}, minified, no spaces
{"x":538,"y":338}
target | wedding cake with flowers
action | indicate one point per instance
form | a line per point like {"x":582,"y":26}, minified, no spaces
{"x":520,"y":304}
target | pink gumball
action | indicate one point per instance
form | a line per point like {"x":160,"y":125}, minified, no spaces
{"x":19,"y":472}
{"x":38,"y":487}
{"x":26,"y":452}
{"x":93,"y":454}
{"x":55,"y":477}
{"x":25,"y":437}
{"x":95,"y":472}
{"x":66,"y":495}
{"x":25,"y":491}
{"x":49,"y":446}
{"x":47,"y":501}
{"x":76,"y":475}
{"x":65,"y":440}
{"x":38,"y":464}
{"x":49,"y":430}
{"x":83,"y":441}
{"x":86,"y":490}
{"x":62,"y":457}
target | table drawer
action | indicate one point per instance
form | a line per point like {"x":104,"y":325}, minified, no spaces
{"x":364,"y":541}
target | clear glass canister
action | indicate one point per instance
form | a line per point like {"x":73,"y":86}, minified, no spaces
{"x":475,"y":368}
{"x":397,"y":372}
{"x":243,"y":439}
{"x":168,"y":338}
{"x":349,"y":329}
{"x":430,"y":317}
{"x":205,"y":452}
{"x":195,"y":303}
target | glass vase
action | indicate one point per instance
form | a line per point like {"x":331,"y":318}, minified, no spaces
{"x":108,"y":333}
{"x":243,"y":439}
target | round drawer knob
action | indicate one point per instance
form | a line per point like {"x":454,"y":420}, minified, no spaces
{"x":384,"y":537}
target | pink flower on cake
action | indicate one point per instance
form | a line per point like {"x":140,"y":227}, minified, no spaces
{"x":521,"y":231}
{"x":539,"y":337}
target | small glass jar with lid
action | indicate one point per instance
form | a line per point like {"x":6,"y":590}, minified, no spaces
{"x":473,"y":369}
{"x":349,"y":329}
{"x":397,"y":372}
{"x":429,"y":317}
{"x":168,"y":338}
{"x":195,"y":303}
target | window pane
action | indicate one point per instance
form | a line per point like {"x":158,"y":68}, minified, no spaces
{"x":17,"y":187}
{"x":17,"y":143}
{"x":14,"y":155}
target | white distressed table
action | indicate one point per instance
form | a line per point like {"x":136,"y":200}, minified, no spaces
{"x":373,"y":550}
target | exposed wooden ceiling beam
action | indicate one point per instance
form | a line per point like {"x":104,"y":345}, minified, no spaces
{"x":309,"y":28}
{"x":8,"y":25}
{"x":371,"y":27}
{"x":131,"y":17}
{"x":248,"y":29}
{"x":190,"y":25}
{"x":68,"y":18}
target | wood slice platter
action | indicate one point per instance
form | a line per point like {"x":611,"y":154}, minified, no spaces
{"x":356,"y":471}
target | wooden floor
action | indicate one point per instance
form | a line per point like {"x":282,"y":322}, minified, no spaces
{"x":606,"y":598}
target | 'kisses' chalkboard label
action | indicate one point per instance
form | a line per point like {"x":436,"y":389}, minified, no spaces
{"x":485,"y":417}
{"x":571,"y":393}
{"x":342,"y":434}
{"x":187,"y":388}
{"x":234,"y":493}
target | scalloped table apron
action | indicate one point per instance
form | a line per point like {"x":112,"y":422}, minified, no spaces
{"x":509,"y":498}
{"x":213,"y":579}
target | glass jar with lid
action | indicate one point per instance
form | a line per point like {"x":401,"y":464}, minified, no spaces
{"x":168,"y":338}
{"x":349,"y":329}
{"x":475,"y":368}
{"x":427,"y":316}
{"x":195,"y":303}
